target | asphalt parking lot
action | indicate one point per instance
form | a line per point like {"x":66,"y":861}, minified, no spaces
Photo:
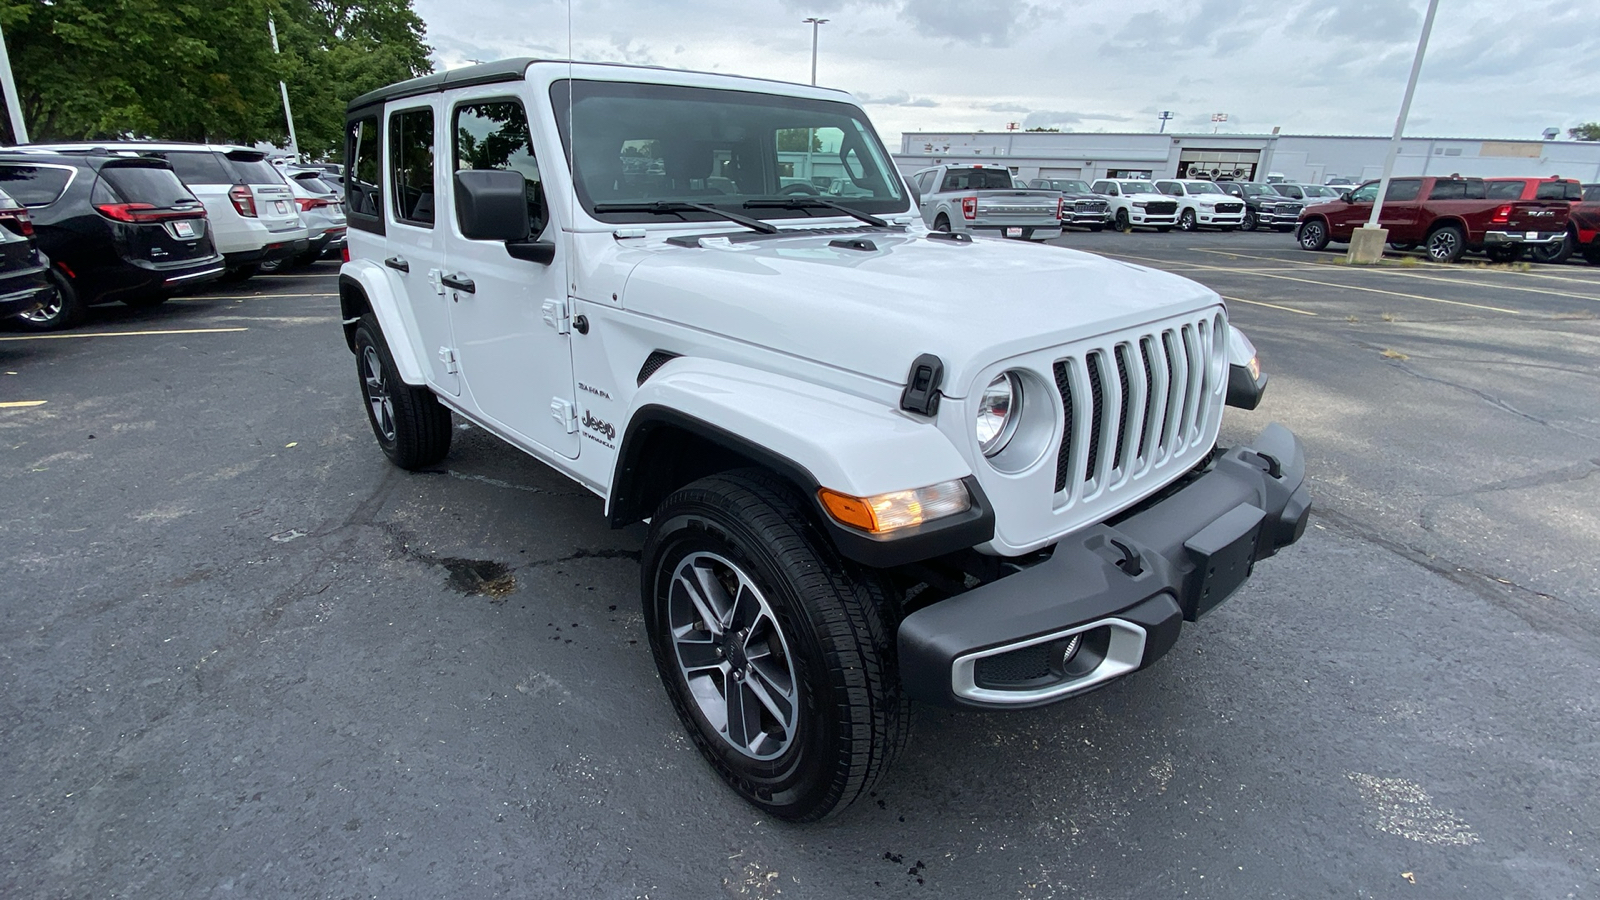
{"x":241,"y":655}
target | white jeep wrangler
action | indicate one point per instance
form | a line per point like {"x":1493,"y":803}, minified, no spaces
{"x":879,"y":463}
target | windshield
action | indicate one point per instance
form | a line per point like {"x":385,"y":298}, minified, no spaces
{"x":644,"y":143}
{"x":1202,"y":188}
{"x":1257,"y":190}
{"x":1069,"y":186}
{"x":1138,"y":187}
{"x":1317,"y":190}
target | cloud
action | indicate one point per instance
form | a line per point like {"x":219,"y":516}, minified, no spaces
{"x":993,"y":23}
{"x":1367,"y":21}
{"x":899,"y":98}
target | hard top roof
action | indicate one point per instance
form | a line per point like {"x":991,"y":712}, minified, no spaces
{"x":86,"y":158}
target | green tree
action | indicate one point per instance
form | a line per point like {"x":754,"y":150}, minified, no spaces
{"x":793,"y":140}
{"x":1588,"y":131}
{"x":204,"y":69}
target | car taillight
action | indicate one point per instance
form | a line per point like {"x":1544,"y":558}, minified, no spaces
{"x":344,"y":254}
{"x":307,"y":204}
{"x":243,"y":200}
{"x":17,"y":220}
{"x":1061,"y":207}
{"x":969,"y":207}
{"x":144,"y":212}
{"x":1502,"y":215}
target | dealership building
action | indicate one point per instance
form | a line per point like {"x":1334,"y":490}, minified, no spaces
{"x":1299,"y":158}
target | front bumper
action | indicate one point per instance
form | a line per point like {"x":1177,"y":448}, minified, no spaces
{"x":1502,"y":238}
{"x":1138,"y":217}
{"x":1114,"y":596}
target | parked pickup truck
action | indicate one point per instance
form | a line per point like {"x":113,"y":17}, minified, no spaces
{"x":1552,"y":188}
{"x":1447,"y":216}
{"x":1137,"y":202}
{"x":879,"y":464}
{"x":984,"y":199}
{"x":1585,"y":224}
{"x":1080,"y":206}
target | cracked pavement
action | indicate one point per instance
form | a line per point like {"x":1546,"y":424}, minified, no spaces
{"x":241,"y":655}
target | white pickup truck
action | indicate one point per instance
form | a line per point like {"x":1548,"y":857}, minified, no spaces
{"x":880,"y":464}
{"x":985,"y":200}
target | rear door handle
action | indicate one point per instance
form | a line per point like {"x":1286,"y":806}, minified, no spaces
{"x":395,"y":262}
{"x":459,"y":283}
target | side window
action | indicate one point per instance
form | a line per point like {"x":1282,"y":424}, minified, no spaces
{"x":952,"y":182}
{"x":1448,"y":190}
{"x":1367,"y":193}
{"x":411,"y":166}
{"x":1558,"y":190}
{"x":1403,"y":190}
{"x":493,"y":134}
{"x":197,"y":167}
{"x":34,"y":185}
{"x":363,"y":197}
{"x":925,"y":182}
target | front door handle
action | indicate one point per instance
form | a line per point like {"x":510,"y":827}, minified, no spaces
{"x":458,"y":283}
{"x":395,"y":262}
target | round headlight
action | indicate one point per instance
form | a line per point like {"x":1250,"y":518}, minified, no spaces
{"x":997,"y":413}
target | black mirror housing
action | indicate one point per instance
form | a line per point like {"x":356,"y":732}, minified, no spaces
{"x":492,"y":205}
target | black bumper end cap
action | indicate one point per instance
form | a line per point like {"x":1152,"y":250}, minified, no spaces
{"x":1245,"y":392}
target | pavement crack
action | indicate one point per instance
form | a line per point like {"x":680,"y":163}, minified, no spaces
{"x":1490,"y":399}
{"x":496,"y":482}
{"x":1565,"y":475}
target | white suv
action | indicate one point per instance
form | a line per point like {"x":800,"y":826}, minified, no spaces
{"x":879,"y":463}
{"x":1203,"y":204}
{"x":252,"y":212}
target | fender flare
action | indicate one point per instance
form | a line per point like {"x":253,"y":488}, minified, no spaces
{"x":813,"y":437}
{"x":376,"y":292}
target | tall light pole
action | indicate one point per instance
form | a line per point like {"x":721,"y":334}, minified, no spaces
{"x":14,"y":106}
{"x":294,"y":145}
{"x":814,"y":22}
{"x":1369,"y":247}
{"x":1166,"y":115}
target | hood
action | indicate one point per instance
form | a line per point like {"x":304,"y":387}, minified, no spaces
{"x":874,"y":311}
{"x":1079,"y":195}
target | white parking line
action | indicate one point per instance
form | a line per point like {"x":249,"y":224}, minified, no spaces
{"x":1385,"y":270}
{"x":1348,"y":287}
{"x":1300,"y":312}
{"x":21,"y":404}
{"x":255,"y":296}
{"x":92,"y":334}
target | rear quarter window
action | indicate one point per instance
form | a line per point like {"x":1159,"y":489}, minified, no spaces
{"x":313,"y":184}
{"x":255,"y":171}
{"x":34,"y":185}
{"x":146,"y":184}
{"x":1559,"y":190}
{"x":1504,"y":190}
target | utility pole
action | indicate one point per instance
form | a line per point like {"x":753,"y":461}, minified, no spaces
{"x":13,"y":105}
{"x":294,"y":145}
{"x":1166,"y":115}
{"x":1368,"y":248}
{"x":814,"y":22}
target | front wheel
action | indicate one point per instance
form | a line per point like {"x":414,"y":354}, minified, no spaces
{"x":1313,"y":235}
{"x":1187,"y":222}
{"x":410,"y":423}
{"x":1446,"y":244}
{"x":1250,"y":222}
{"x":942,"y":223}
{"x":777,"y":654}
{"x":1553,"y":253}
{"x":1122,"y":220}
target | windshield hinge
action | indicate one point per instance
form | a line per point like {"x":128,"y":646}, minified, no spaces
{"x":447,"y":356}
{"x":565,"y":413}
{"x":558,"y":315}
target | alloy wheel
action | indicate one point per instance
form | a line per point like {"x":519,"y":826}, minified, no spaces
{"x":1444,"y":245}
{"x":732,"y":654}
{"x":47,"y":313}
{"x":377,"y":391}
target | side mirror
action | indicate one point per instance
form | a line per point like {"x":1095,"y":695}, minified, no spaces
{"x":492,"y":205}
{"x":1347,"y":197}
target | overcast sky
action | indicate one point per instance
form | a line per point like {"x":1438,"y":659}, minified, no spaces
{"x":1494,"y":69}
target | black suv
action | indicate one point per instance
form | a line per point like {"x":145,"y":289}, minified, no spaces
{"x":24,"y":286}
{"x":1263,"y":206}
{"x":114,"y":228}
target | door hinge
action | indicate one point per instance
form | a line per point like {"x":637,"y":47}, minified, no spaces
{"x":558,"y":315}
{"x":436,"y":278}
{"x":564,"y":412}
{"x":447,"y":355}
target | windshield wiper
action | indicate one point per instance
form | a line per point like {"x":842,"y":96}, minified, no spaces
{"x":679,"y":207}
{"x":814,"y":203}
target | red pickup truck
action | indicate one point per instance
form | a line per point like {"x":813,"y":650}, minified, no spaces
{"x":1447,"y":216}
{"x":1584,"y":234}
{"x":1552,"y":188}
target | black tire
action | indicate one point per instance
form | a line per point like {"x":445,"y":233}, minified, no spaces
{"x":1187,"y":221}
{"x":1591,"y":253}
{"x":941,"y":223}
{"x":410,"y":423}
{"x":1403,"y":246}
{"x":1283,"y":228}
{"x":1122,"y":220}
{"x":1250,"y":222}
{"x":1504,"y":254}
{"x":1313,"y":235}
{"x":240,"y":273}
{"x":64,"y":311}
{"x":146,"y":301}
{"x":273,"y":266}
{"x":1445,"y":244}
{"x":825,"y":625}
{"x":1551,"y":254}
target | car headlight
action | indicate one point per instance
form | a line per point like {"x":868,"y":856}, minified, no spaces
{"x":997,"y":413}
{"x":1141,"y":203}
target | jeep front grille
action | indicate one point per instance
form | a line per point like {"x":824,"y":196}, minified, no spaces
{"x":1135,"y":405}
